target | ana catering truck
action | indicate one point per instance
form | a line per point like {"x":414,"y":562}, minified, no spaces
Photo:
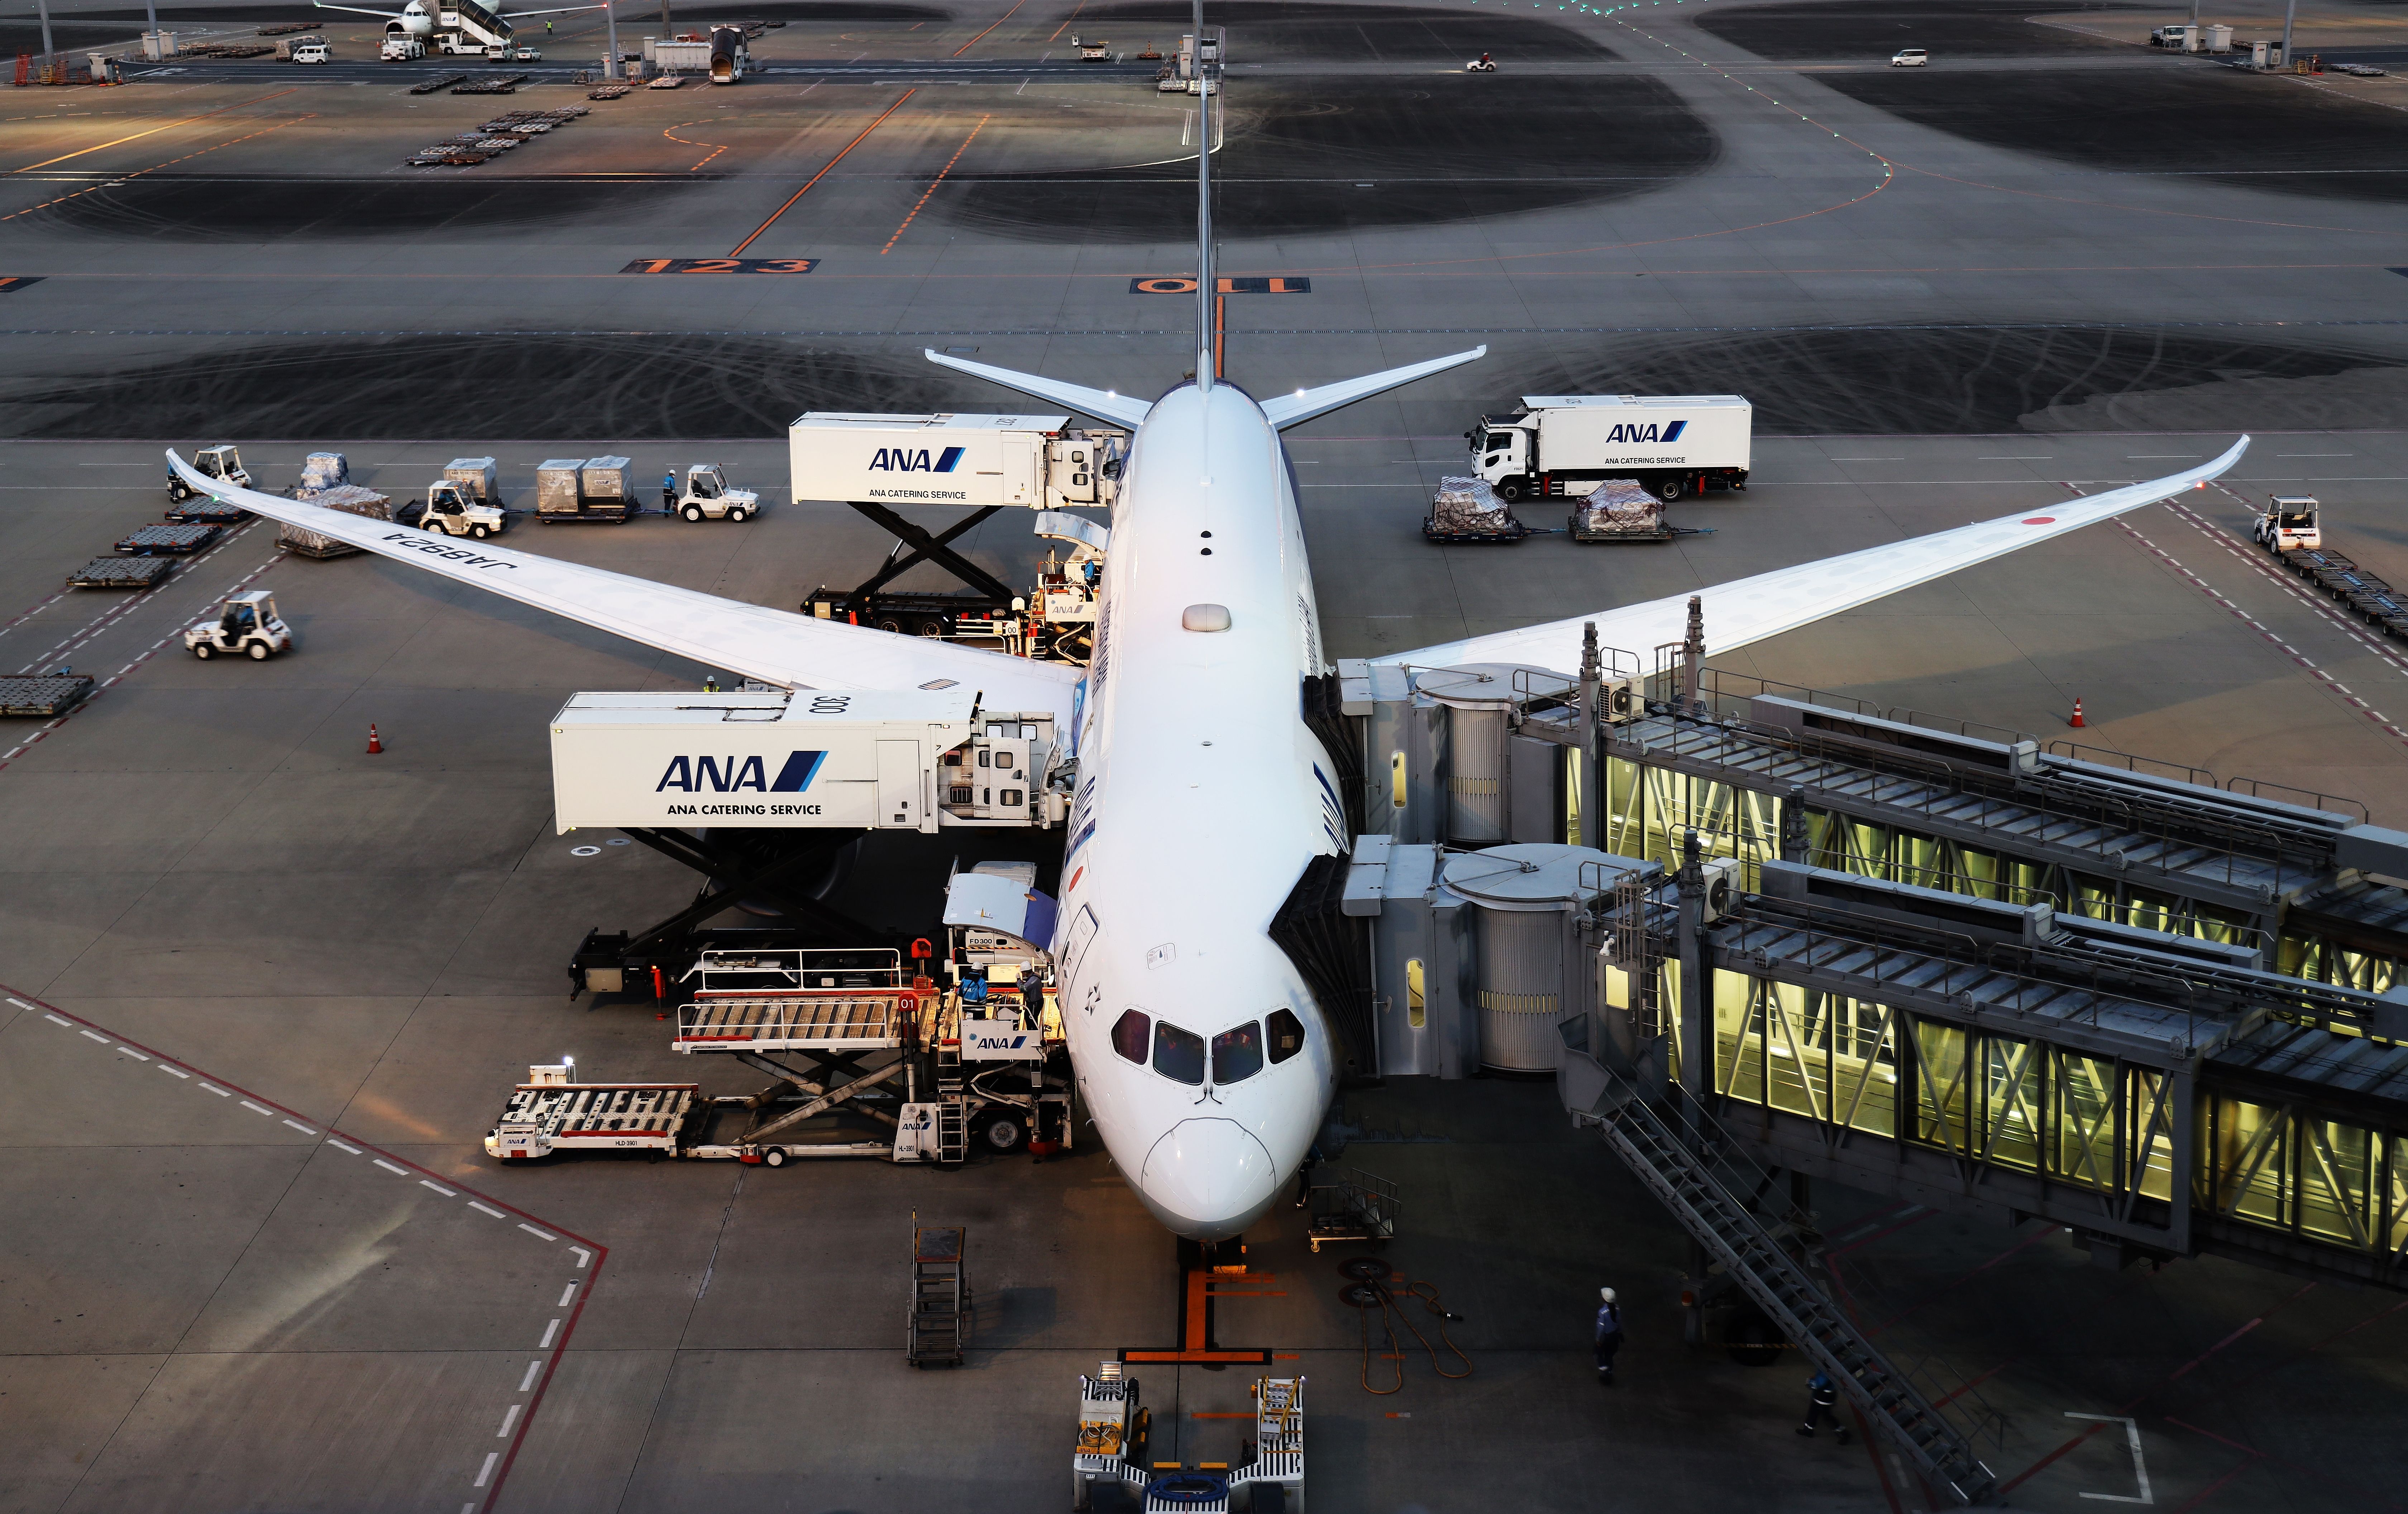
{"x":1568,"y":444}
{"x":1037,"y":462}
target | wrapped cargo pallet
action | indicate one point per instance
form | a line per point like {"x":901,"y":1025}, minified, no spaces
{"x":1467,"y":509}
{"x":556,"y":491}
{"x":475,"y":476}
{"x":1620,"y":510}
{"x":322,"y":470}
{"x":351,"y":499}
{"x":609,"y":477}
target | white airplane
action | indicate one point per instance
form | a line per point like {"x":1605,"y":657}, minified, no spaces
{"x":413,"y":18}
{"x":1201,"y":795}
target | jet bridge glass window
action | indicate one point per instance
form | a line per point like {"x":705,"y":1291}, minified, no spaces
{"x":1238,"y":1055}
{"x":1178,"y":1055}
{"x":1285,"y":1033}
{"x":1130,"y":1033}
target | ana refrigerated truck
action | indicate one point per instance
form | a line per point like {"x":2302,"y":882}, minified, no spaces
{"x":1568,"y":444}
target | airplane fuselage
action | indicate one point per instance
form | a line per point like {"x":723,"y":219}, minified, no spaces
{"x":1201,"y":797}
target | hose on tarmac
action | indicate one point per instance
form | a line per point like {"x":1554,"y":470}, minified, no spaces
{"x":1372,"y":1290}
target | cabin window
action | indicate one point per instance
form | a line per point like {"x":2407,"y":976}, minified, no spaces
{"x":1285,"y":1033}
{"x":1130,"y":1033}
{"x":1178,"y":1055}
{"x":1238,"y":1055}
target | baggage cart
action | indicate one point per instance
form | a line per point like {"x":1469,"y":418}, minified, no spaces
{"x":1620,"y":510}
{"x":1467,"y":510}
{"x":122,"y":573}
{"x":181,"y":540}
{"x":43,"y":696}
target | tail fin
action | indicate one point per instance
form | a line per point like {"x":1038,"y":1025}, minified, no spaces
{"x":1207,"y":285}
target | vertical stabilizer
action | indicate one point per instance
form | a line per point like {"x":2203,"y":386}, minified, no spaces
{"x":1206,"y":284}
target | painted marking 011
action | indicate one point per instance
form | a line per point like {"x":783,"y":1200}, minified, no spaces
{"x":722,"y":264}
{"x":1276,"y":283}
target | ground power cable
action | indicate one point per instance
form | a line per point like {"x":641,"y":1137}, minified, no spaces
{"x":1372,"y":1289}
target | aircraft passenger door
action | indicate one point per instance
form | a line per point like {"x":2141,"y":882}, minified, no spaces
{"x":899,"y":803}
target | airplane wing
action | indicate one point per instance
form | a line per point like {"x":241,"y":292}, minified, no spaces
{"x":772,"y":645}
{"x":1751,"y":609}
{"x":556,"y":10}
{"x":1126,"y":409}
{"x":1285,"y":410}
{"x":362,"y":11}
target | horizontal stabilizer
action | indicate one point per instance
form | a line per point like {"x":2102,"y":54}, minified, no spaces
{"x":1126,"y":409}
{"x":1294,"y":410}
{"x":1751,"y":609}
{"x":775,"y":647}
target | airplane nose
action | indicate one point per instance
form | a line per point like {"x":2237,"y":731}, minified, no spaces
{"x":1207,"y":1179}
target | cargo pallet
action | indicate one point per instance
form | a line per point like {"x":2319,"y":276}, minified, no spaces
{"x":122,"y":573}
{"x":44,"y":697}
{"x":440,"y":82}
{"x":2368,"y":597}
{"x":181,"y":540}
{"x":1661,"y":533}
{"x":1431,"y":532}
{"x":499,"y":84}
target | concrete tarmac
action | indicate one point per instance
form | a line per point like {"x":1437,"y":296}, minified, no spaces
{"x":265,"y":991}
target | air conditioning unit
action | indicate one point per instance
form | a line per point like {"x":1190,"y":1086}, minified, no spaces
{"x":1721,"y":887}
{"x":1621,"y":701}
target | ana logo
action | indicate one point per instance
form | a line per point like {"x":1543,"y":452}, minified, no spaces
{"x":905,"y":460}
{"x":728,"y":775}
{"x":1659,"y":436}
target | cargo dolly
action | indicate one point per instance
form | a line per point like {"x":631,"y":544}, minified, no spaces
{"x":181,"y":540}
{"x":122,"y":573}
{"x":43,"y":695}
{"x":2368,"y":596}
{"x":207,"y":510}
{"x":549,"y":1114}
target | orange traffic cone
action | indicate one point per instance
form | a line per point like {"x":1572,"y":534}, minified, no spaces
{"x":375,"y":745}
{"x":2076,"y":722}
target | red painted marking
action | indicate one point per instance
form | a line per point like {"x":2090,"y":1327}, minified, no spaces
{"x":2042,"y":520}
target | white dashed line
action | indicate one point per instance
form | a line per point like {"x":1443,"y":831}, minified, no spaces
{"x":490,"y":1457}
{"x":220,"y":1092}
{"x":340,"y":1147}
{"x":136,"y":1055}
{"x":174,"y":1072}
{"x":584,"y":1256}
{"x":508,"y":1420}
{"x":539,"y":1234}
{"x":52,"y":1018}
{"x":298,"y":1126}
{"x":398,"y":1171}
{"x":528,"y":1381}
{"x":565,"y":1294}
{"x":88,"y":1035}
{"x":488,"y":1208}
{"x":549,"y":1330}
{"x":256,"y":1110}
{"x":438,"y":1188}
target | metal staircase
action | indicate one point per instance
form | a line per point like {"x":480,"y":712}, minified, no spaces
{"x":939,"y":1329}
{"x":1686,"y":1183}
{"x":952,"y":1123}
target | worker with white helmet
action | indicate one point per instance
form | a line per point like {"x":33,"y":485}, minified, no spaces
{"x":1608,"y":1336}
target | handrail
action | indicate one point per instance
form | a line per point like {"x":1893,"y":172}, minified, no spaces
{"x":2130,"y":761}
{"x":1905,"y":716}
{"x":2257,"y":787}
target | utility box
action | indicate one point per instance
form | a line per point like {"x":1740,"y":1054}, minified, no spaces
{"x":476,"y":477}
{"x":158,"y":46}
{"x":2219,"y":39}
{"x":1038,"y":462}
{"x":682,"y":56}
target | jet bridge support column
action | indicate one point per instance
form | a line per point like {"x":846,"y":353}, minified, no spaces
{"x":1696,"y":1017}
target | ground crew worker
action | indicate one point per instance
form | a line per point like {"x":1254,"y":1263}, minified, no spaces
{"x":546,"y":28}
{"x":1608,"y":1336}
{"x":1822,"y":1401}
{"x":668,"y":491}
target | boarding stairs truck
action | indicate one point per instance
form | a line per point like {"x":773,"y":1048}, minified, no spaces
{"x":1568,"y":444}
{"x":468,"y":29}
{"x":729,"y":56}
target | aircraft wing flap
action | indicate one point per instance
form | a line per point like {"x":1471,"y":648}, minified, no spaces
{"x":1752,"y":609}
{"x":752,"y":641}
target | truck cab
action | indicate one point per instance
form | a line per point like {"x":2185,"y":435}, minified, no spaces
{"x":221,"y":462}
{"x":400,"y":46}
{"x":452,"y":509}
{"x":1500,"y":455}
{"x":708,"y":497}
{"x":2289,"y":523}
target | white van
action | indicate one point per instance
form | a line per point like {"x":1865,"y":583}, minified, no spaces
{"x":1910,"y":58}
{"x":312,"y":52}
